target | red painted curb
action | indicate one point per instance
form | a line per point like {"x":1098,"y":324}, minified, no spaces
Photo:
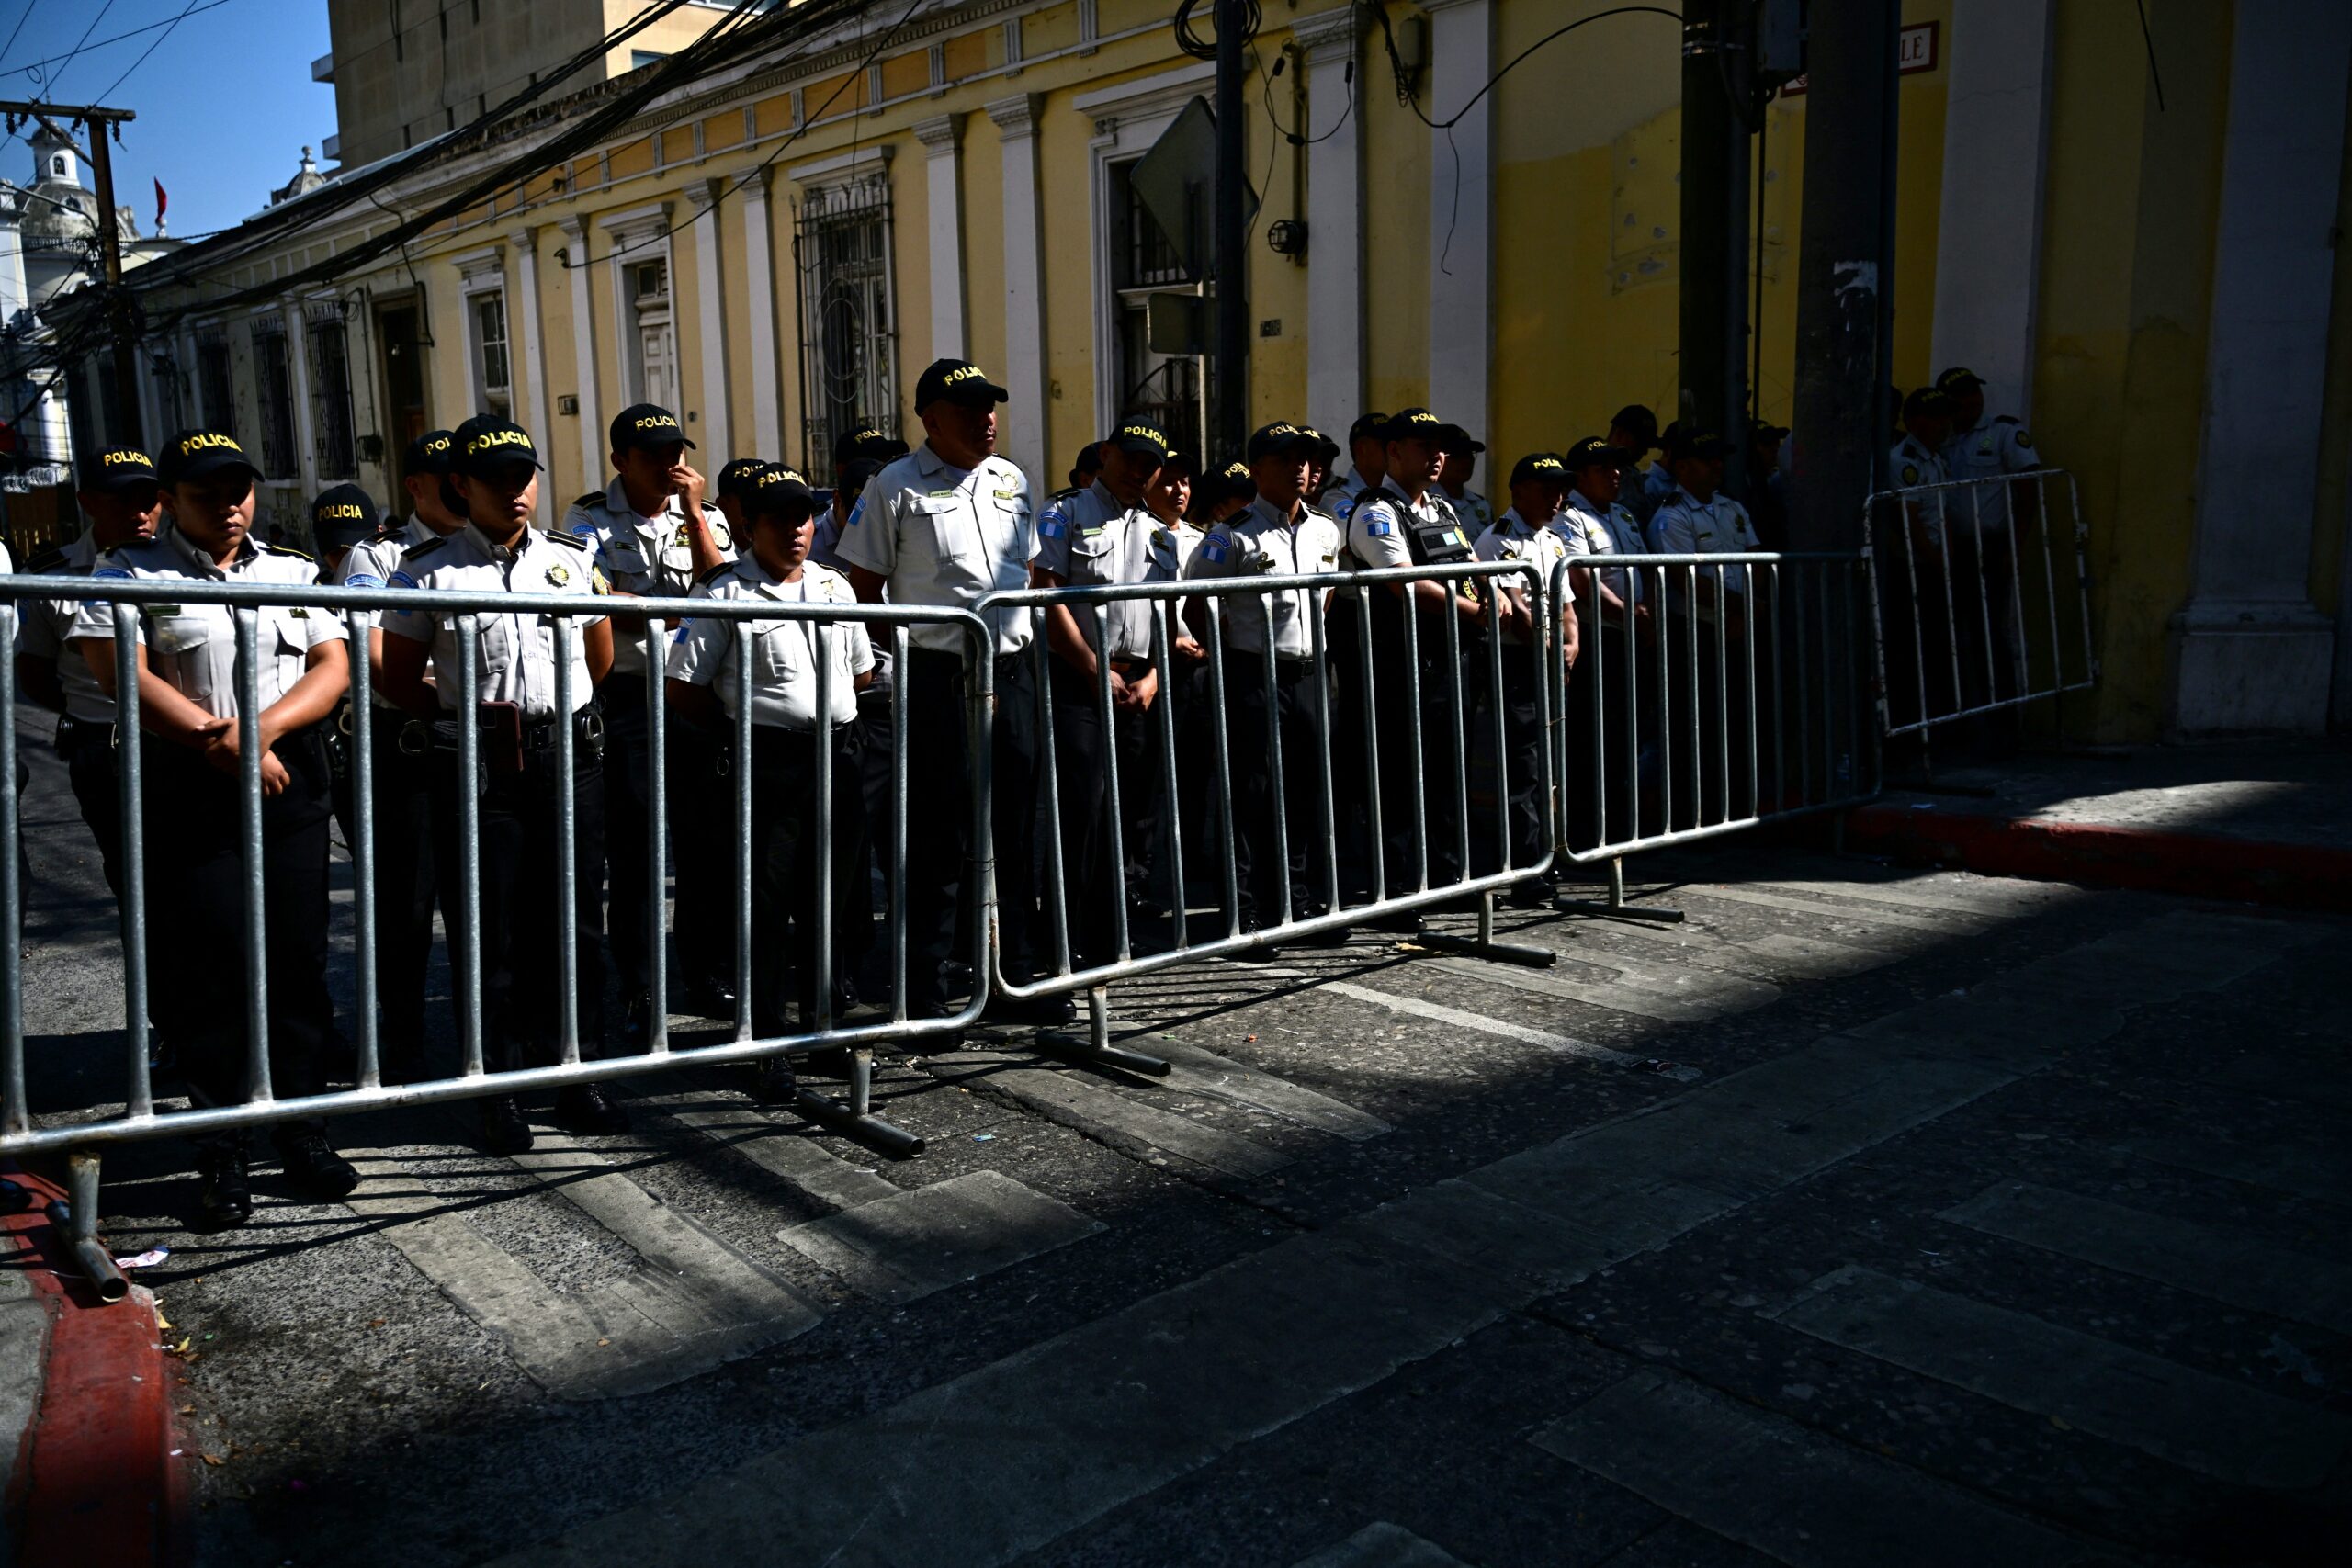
{"x":2301,"y":876}
{"x":97,"y":1479}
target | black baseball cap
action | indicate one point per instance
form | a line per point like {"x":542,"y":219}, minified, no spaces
{"x":196,"y":454}
{"x":779,"y":491}
{"x":856,"y":475}
{"x":1140,"y":437}
{"x":1539,"y":466}
{"x":1408,"y":425}
{"x":487,"y":440}
{"x":955,"y":380}
{"x":1595,"y":450}
{"x":1178,"y":464}
{"x":1928,"y":402}
{"x":738,"y":476}
{"x":1457,"y":439}
{"x":116,"y":467}
{"x":866,"y":443}
{"x":341,"y":515}
{"x":1959,"y":378}
{"x":1702,"y":443}
{"x":1233,"y":481}
{"x":1636,"y":421}
{"x":1367,"y":427}
{"x":1275,"y":439}
{"x":646,"y":424}
{"x":1324,"y":446}
{"x":1767,"y":431}
{"x":430,"y":453}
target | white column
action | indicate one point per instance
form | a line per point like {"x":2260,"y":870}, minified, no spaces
{"x":1334,"y":222}
{"x":526,"y":345}
{"x":584,"y":355}
{"x":1024,"y":287}
{"x":298,"y":376}
{"x":943,"y":169}
{"x":718,"y":439}
{"x":759,"y":283}
{"x":2250,"y":654}
{"x":1988,"y":238}
{"x":1462,"y":47}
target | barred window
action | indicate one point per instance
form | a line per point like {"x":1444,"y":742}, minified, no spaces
{"x":330,"y":366}
{"x":489,"y":312}
{"x":217,"y":407}
{"x":1168,"y":389}
{"x":273,"y":387}
{"x":849,"y":341}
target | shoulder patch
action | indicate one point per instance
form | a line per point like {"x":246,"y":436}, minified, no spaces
{"x":1910,"y":473}
{"x":402,"y":580}
{"x":363,"y":580}
{"x":418,"y":552}
{"x":572,"y":540}
{"x":111,"y":571}
{"x":2023,"y":439}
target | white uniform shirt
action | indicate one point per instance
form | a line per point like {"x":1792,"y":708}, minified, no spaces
{"x":1912,"y":464}
{"x":1376,"y":527}
{"x":943,"y":535}
{"x":1685,"y":525}
{"x":1091,"y":539}
{"x":1256,"y":542}
{"x":194,"y":647}
{"x":1996,"y":447}
{"x":45,"y":630}
{"x":783,"y":653}
{"x":1476,"y":513}
{"x":370,"y":564}
{"x":514,"y":652}
{"x":1587,"y":530}
{"x":1512,"y":537}
{"x":649,"y":556}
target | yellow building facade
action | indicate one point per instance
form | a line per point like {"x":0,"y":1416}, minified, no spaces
{"x":778,"y":248}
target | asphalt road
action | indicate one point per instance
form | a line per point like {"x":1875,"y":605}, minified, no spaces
{"x":1865,"y":1217}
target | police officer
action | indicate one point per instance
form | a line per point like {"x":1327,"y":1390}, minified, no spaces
{"x":652,"y":537}
{"x":1697,"y":520}
{"x":941,"y":526}
{"x":1406,"y":523}
{"x":1633,"y":429}
{"x":1367,"y":462}
{"x":1978,"y":449}
{"x":406,"y":885}
{"x":120,"y":495}
{"x":1460,"y":460}
{"x":191,"y":770}
{"x":706,"y":675}
{"x":494,"y":483}
{"x":1274,"y":533}
{"x":1318,"y":468}
{"x":342,"y":517}
{"x":734,"y":483}
{"x":1102,"y":536}
{"x":1524,"y":532}
{"x":1622,"y":673}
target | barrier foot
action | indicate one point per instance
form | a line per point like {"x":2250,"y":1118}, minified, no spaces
{"x":1095,"y":1050}
{"x":79,"y":1217}
{"x":1617,"y":909}
{"x":1484,"y":944}
{"x":854,"y":1117}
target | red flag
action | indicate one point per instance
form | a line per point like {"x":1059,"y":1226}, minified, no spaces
{"x":162,"y":201}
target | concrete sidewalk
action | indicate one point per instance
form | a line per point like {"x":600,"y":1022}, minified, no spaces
{"x":2260,"y":823}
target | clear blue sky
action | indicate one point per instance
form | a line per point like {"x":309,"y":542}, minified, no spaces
{"x":225,"y":102}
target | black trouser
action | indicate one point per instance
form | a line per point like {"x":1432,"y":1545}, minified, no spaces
{"x":1707,"y":693}
{"x":406,"y":884}
{"x":1350,"y":779}
{"x":522,"y":978}
{"x":1432,"y":840}
{"x":633,"y":923}
{"x":941,"y":877}
{"x":93,"y":772}
{"x":1095,"y":882}
{"x":786,"y":847}
{"x":196,"y":870}
{"x":698,"y":803}
{"x":1518,"y":770}
{"x":1617,"y":672}
{"x":1297,"y":715}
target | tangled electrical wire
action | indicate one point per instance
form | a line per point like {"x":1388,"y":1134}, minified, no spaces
{"x":1199,"y":48}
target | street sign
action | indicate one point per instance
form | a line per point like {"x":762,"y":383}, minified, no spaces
{"x":1914,"y":51}
{"x":1174,"y":181}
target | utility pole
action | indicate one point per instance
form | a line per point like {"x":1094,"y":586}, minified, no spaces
{"x":1713,"y":224}
{"x":1230,"y":418}
{"x":117,"y":307}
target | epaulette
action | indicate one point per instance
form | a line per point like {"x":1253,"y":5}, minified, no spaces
{"x":714,"y":573}
{"x":291,"y":550}
{"x":2005,"y":419}
{"x":585,"y":501}
{"x":50,"y":560}
{"x":418,"y":552}
{"x":1062,"y":494}
{"x":573,"y":540}
{"x":1331,"y":517}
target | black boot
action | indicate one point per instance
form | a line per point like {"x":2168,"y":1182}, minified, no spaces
{"x":584,"y":1109}
{"x":226,"y":1198}
{"x":774,"y":1082}
{"x":313,"y":1166}
{"x":503,"y":1131}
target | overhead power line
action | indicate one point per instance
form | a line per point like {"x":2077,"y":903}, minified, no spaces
{"x":133,"y":32}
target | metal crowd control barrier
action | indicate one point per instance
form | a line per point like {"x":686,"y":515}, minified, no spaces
{"x":1711,"y":693}
{"x":1476,"y":664}
{"x":1962,"y":624}
{"x":136,"y":1118}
